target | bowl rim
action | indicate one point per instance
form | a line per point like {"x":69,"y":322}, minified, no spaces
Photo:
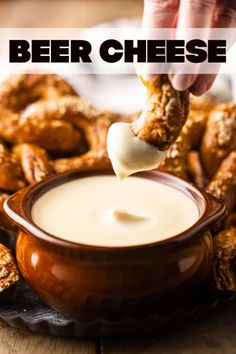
{"x":18,"y":209}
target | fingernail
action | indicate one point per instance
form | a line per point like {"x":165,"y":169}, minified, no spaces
{"x":182,"y":82}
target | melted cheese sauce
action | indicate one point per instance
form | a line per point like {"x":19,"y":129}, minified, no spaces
{"x":128,"y":153}
{"x":99,"y":210}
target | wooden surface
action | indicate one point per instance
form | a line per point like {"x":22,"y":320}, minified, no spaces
{"x":215,"y":334}
{"x":18,"y":341}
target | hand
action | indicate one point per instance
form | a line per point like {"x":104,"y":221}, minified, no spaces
{"x":190,"y":14}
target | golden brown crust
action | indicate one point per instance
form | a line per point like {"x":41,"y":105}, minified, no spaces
{"x":220,"y":137}
{"x":176,"y":161}
{"x":230,"y":221}
{"x":75,"y":111}
{"x":223,"y":185}
{"x":34,"y":161}
{"x":203,"y":103}
{"x":61,"y":125}
{"x":164,"y":115}
{"x":195,"y":127}
{"x":9,"y":274}
{"x":11,"y":176}
{"x":53,"y":135}
{"x":195,"y":169}
{"x":90,"y":161}
{"x":224,"y":269}
{"x":19,"y":90}
{"x":95,"y":131}
{"x":5,"y":223}
{"x":71,"y":109}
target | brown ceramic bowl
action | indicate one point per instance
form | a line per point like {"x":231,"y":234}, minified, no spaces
{"x":88,"y":282}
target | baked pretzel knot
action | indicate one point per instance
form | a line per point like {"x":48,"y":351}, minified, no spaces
{"x":16,"y":126}
{"x":224,"y":269}
{"x":9,"y":273}
{"x":220,"y":137}
{"x":42,"y":118}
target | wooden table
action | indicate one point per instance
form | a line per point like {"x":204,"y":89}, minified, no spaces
{"x":214,"y":334}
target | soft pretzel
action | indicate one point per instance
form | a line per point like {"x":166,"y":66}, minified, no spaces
{"x":90,"y":161}
{"x":176,"y":161}
{"x":95,"y":124}
{"x":54,"y":135}
{"x":195,"y":127}
{"x":34,"y":161}
{"x":11,"y":176}
{"x":5,"y":223}
{"x":230,"y":221}
{"x":9,"y":273}
{"x":223,"y":184}
{"x":16,"y":94}
{"x":203,"y":103}
{"x":95,"y":158}
{"x":224,"y":261}
{"x":20,"y":90}
{"x":164,"y":115}
{"x":195,"y":169}
{"x":75,"y":111}
{"x":220,"y":137}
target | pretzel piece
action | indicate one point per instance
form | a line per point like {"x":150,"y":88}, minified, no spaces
{"x":203,"y":103}
{"x":223,"y":185}
{"x":195,"y":169}
{"x":20,"y":90}
{"x":11,"y":175}
{"x":5,"y":223}
{"x":195,"y":128}
{"x":73,"y":110}
{"x":175,"y":162}
{"x":52,"y":135}
{"x":220,"y":137}
{"x":164,"y":115}
{"x":9,"y":273}
{"x":34,"y":161}
{"x":224,"y":261}
{"x":88,"y":162}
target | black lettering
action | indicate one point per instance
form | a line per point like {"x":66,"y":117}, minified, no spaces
{"x":131,"y":50}
{"x":175,"y":51}
{"x":40,"y":51}
{"x":198,"y":55}
{"x":217,"y":51}
{"x":80,"y":51}
{"x":156,"y":51}
{"x":19,"y":51}
{"x":60,"y":51}
{"x":106,"y":46}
